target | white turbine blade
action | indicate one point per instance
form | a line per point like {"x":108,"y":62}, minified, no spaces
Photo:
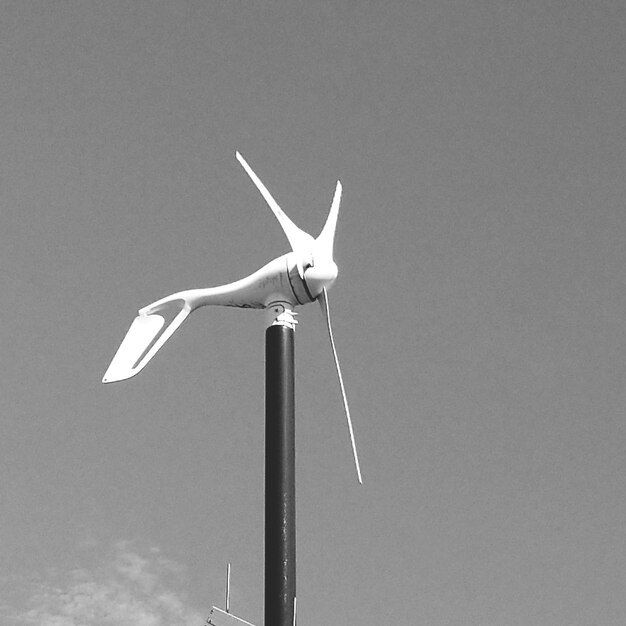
{"x":325,"y":240}
{"x":144,"y":338}
{"x":323,"y":299}
{"x":300,"y":241}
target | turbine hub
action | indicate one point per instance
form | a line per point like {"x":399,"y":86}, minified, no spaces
{"x":319,"y":276}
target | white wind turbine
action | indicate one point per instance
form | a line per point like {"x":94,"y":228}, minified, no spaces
{"x":301,"y":276}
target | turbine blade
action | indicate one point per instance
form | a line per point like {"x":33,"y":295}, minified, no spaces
{"x":300,"y":241}
{"x":325,"y":240}
{"x":144,"y":338}
{"x":323,"y":299}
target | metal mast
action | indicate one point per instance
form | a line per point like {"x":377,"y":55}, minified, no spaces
{"x":280,"y":470}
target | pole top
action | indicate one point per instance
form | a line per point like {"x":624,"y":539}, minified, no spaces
{"x":280,"y":314}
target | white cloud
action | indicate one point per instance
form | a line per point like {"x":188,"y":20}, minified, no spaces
{"x":129,"y":589}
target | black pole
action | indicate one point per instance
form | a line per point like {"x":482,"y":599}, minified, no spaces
{"x":280,"y":483}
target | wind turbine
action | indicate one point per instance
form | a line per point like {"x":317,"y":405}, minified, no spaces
{"x":299,"y":277}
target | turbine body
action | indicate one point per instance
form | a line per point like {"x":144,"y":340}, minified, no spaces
{"x":277,"y":281}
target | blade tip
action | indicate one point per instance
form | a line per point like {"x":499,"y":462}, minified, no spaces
{"x":116,"y":373}
{"x":116,"y":377}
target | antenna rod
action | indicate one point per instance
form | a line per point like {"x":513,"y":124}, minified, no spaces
{"x":280,"y":484}
{"x":228,"y":588}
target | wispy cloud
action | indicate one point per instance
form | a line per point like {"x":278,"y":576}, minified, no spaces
{"x":128,"y":589}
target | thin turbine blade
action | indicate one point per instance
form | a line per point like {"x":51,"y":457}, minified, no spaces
{"x":324,"y":241}
{"x":299,"y":240}
{"x":323,"y":298}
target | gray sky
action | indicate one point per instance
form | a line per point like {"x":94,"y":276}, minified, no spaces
{"x":479,"y":312}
